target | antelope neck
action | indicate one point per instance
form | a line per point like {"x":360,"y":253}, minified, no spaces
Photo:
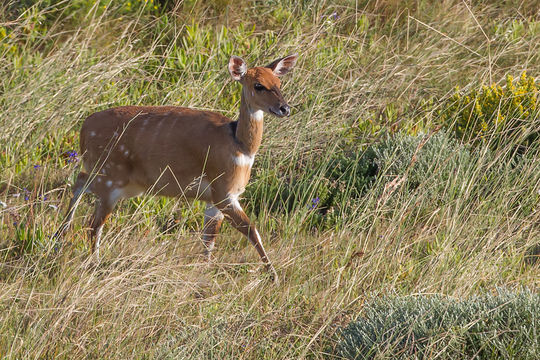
{"x":250,"y":128}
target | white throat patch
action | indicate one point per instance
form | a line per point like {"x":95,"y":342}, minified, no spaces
{"x":257,"y":115}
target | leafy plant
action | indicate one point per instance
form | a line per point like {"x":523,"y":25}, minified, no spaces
{"x":28,"y":239}
{"x":496,"y":115}
{"x":430,"y":160}
{"x":500,"y":326}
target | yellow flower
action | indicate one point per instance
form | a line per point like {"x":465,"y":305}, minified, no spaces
{"x":500,"y":117}
{"x":478,"y":109}
{"x":484,"y":126}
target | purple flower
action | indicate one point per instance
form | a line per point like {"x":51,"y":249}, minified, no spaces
{"x":334,"y":16}
{"x":37,"y":166}
{"x":315,"y":202}
{"x":72,"y":156}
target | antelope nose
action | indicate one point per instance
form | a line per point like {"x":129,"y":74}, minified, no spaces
{"x":285,"y":110}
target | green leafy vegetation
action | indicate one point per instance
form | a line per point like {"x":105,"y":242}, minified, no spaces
{"x":397,"y":173}
{"x":501,"y":326}
{"x":496,"y":115}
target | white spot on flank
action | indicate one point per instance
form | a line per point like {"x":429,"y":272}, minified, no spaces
{"x":145,"y":122}
{"x":108,"y":183}
{"x":122,"y":147}
{"x":244,"y":160}
{"x":98,"y":179}
{"x":257,"y":115}
{"x":126,"y":153}
{"x":92,"y":133}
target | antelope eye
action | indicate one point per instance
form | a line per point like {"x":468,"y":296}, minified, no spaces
{"x":258,"y":87}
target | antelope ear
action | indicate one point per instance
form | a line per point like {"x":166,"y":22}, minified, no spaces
{"x":284,"y":65}
{"x":237,"y":67}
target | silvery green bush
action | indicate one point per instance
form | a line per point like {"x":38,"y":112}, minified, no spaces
{"x":430,"y":161}
{"x":501,"y":326}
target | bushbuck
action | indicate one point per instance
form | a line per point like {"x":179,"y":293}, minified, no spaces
{"x":181,"y":152}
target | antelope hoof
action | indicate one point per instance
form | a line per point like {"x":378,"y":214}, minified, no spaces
{"x":273,"y":274}
{"x":207,"y":254}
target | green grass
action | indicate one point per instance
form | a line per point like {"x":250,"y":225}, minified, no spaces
{"x":403,"y":208}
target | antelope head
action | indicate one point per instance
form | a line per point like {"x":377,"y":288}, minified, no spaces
{"x":261,"y":87}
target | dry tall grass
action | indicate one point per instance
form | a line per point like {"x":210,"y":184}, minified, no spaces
{"x":152,"y":296}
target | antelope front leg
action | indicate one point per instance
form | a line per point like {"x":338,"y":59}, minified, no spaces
{"x":213,"y":218}
{"x":238,"y":218}
{"x":101,"y":213}
{"x":78,"y":191}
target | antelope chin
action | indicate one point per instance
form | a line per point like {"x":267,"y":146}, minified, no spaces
{"x":274,"y":112}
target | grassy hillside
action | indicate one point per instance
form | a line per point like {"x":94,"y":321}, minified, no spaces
{"x":410,"y":165}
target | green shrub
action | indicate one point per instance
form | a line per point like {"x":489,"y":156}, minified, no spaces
{"x":501,"y":326}
{"x":494,"y":114}
{"x":330,"y":186}
{"x":428,"y":160}
{"x":28,"y":239}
